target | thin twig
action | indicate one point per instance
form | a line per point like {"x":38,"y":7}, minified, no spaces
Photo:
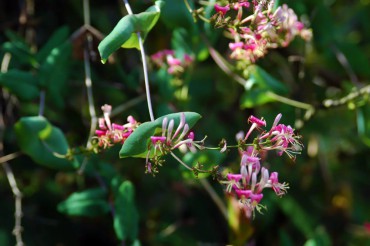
{"x":181,"y":162}
{"x":145,"y":69}
{"x":42,"y":103}
{"x":9,"y":157}
{"x":88,"y":82}
{"x":332,"y":103}
{"x":216,"y":199}
{"x":207,"y":187}
{"x":123,"y":107}
{"x":17,"y":231}
{"x":342,"y":59}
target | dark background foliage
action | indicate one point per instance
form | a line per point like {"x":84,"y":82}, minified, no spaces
{"x":327,"y":203}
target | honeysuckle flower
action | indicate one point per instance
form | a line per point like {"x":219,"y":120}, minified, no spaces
{"x":281,"y":138}
{"x":222,"y":9}
{"x":264,"y":29}
{"x":249,"y":184}
{"x":181,"y":138}
{"x":256,"y":123}
{"x":109,"y":133}
{"x":168,"y":59}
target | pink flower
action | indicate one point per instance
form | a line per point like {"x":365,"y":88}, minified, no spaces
{"x":222,"y":9}
{"x":237,"y":45}
{"x":111,"y":133}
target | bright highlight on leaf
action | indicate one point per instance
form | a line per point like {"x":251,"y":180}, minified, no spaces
{"x":125,"y":32}
{"x":43,"y":142}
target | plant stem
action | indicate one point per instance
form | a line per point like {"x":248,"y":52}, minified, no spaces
{"x":216,"y":199}
{"x":181,"y":162}
{"x":145,"y":69}
{"x":332,"y":103}
{"x":42,"y":103}
{"x":146,"y":79}
{"x":88,"y":82}
{"x":90,"y":97}
{"x":9,"y":157}
{"x":290,"y":102}
{"x":17,"y":231}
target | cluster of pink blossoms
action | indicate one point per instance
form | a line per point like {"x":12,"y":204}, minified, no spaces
{"x":249,"y":183}
{"x":181,"y":138}
{"x":263,"y":29}
{"x":167,"y":58}
{"x":111,"y":133}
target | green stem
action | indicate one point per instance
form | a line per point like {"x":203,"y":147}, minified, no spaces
{"x":290,"y":102}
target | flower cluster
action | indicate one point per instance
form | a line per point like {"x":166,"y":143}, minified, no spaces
{"x":111,"y":133}
{"x":167,"y":59}
{"x":264,"y":28}
{"x":181,"y":138}
{"x":252,"y":179}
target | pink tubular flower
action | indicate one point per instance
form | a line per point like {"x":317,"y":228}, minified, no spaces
{"x":255,"y":124}
{"x":222,"y":9}
{"x":237,"y":45}
{"x":171,"y":139}
{"x":248,"y":185}
{"x":167,"y":59}
{"x":111,"y":133}
{"x":281,"y":138}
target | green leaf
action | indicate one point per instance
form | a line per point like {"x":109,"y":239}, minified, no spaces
{"x":126,"y":218}
{"x":255,"y":97}
{"x":57,"y":39}
{"x":43,"y":142}
{"x":124,"y":34}
{"x":22,"y":84}
{"x":297,"y":215}
{"x":20,"y":53}
{"x":363,"y":123}
{"x":265,"y":81}
{"x":90,"y":203}
{"x":136,"y":145}
{"x":54,"y":72}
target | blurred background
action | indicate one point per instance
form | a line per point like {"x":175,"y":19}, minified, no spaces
{"x":328,"y":200}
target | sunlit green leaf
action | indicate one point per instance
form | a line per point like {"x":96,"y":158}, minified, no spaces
{"x":136,"y":145}
{"x":125,"y":32}
{"x":90,"y":203}
{"x":43,"y":142}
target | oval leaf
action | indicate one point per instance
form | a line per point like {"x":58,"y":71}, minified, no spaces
{"x":126,"y":218}
{"x":136,"y":145}
{"x":90,"y":203}
{"x":42,"y":142}
{"x":22,"y":84}
{"x":255,"y":97}
{"x":124,"y":33}
{"x":265,"y":81}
